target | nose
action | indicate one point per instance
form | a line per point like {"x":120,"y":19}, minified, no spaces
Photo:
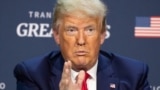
{"x":81,"y":38}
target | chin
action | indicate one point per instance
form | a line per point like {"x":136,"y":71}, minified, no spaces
{"x":79,"y":67}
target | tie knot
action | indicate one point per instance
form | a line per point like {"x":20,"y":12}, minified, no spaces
{"x":86,"y":76}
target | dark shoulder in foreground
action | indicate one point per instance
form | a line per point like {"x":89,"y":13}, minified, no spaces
{"x":131,"y":73}
{"x":38,"y":66}
{"x":123,"y":61}
{"x":128,"y":63}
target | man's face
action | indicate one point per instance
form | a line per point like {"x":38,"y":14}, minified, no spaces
{"x":80,"y":40}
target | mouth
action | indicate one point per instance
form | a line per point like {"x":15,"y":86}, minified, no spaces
{"x":81,"y":53}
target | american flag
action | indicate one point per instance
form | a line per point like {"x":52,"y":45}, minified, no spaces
{"x":112,"y":86}
{"x":147,"y":27}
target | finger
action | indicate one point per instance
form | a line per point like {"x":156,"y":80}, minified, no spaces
{"x":64,"y":79}
{"x":65,"y":71}
{"x":80,"y":78}
{"x":69,"y":69}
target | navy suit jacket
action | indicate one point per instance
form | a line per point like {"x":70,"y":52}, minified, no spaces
{"x":114,"y":72}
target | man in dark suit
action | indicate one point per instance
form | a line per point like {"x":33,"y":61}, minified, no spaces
{"x":79,"y":30}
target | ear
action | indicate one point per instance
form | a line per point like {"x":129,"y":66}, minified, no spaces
{"x":103,"y":36}
{"x":56,"y":36}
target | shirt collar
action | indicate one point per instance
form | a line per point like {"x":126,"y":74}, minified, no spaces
{"x":92,"y":72}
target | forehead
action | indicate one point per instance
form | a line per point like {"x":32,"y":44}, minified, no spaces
{"x":80,"y":21}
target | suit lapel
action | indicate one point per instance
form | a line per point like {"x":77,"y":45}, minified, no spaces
{"x":106,"y":78}
{"x":56,"y":66}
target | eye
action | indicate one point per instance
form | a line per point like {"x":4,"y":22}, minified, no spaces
{"x":89,"y":31}
{"x":71,"y":31}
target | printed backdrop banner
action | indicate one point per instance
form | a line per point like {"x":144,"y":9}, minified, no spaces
{"x":25,"y":32}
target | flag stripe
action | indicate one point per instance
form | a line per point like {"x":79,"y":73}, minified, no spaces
{"x":147,"y":32}
{"x":147,"y":28}
{"x":155,"y":22}
{"x":155,"y":25}
{"x":155,"y":36}
{"x":156,"y":19}
{"x":148,"y":35}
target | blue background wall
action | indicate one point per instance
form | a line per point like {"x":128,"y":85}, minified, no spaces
{"x":35,"y":15}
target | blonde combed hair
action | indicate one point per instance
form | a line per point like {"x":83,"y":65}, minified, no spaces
{"x":91,"y":8}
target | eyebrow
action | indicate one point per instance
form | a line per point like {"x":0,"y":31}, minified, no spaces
{"x":71,"y":27}
{"x":90,"y":26}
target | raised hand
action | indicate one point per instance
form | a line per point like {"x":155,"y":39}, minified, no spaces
{"x":66,"y":82}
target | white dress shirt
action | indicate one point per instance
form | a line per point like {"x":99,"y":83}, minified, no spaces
{"x":92,"y":81}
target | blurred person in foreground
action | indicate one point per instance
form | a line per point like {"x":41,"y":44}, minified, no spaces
{"x":79,"y":28}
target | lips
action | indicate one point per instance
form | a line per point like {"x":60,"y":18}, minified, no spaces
{"x":81,"y":53}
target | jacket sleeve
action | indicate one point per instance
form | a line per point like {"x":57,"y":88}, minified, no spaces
{"x":24,"y":80}
{"x":143,"y":82}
